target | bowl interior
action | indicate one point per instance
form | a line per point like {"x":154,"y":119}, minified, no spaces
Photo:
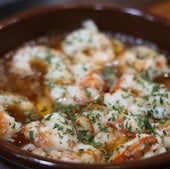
{"x":61,"y":19}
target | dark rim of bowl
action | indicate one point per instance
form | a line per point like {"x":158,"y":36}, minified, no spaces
{"x":100,"y":6}
{"x":9,"y":151}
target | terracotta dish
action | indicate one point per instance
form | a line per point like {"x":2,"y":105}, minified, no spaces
{"x":30,"y":25}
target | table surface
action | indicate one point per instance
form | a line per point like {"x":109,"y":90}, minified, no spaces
{"x":162,"y":9}
{"x":158,"y":7}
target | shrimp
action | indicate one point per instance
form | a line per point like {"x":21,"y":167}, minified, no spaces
{"x":124,"y":100}
{"x":114,"y":128}
{"x":89,"y":154}
{"x":162,"y":133}
{"x":85,"y":90}
{"x":23,"y":103}
{"x":93,"y":79}
{"x":88,"y":87}
{"x":137,"y":113}
{"x":133,"y":149}
{"x":88,"y":45}
{"x":52,"y":59}
{"x":81,"y":153}
{"x":103,"y":136}
{"x":158,"y":104}
{"x":121,"y":120}
{"x":8,"y":125}
{"x":69,"y":156}
{"x":54,"y":131}
{"x":142,"y":58}
{"x":80,"y":69}
{"x":166,"y":136}
{"x":109,"y":139}
{"x":95,"y":124}
{"x":84,"y":123}
{"x":162,"y":136}
{"x":133,"y":83}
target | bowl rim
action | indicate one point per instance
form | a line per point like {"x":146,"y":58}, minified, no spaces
{"x":99,"y":6}
{"x":22,"y":155}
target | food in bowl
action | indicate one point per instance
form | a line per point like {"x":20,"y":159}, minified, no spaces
{"x":90,"y":99}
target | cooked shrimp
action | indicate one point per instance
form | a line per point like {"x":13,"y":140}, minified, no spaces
{"x":124,"y":100}
{"x":80,"y":69}
{"x":16,"y":100}
{"x":105,"y":137}
{"x":156,"y":149}
{"x":158,"y":103}
{"x":89,"y":45}
{"x":124,"y":122}
{"x":136,"y":84}
{"x":93,"y":79}
{"x":8,"y":125}
{"x":54,"y":131}
{"x":69,"y":156}
{"x":109,"y":139}
{"x":142,"y":58}
{"x":82,"y":153}
{"x":86,"y":89}
{"x":83,"y":122}
{"x":162,"y":134}
{"x":133,"y":112}
{"x":53,"y":60}
{"x":97,"y":123}
{"x":133,"y":149}
{"x":89,"y":154}
{"x":166,"y":137}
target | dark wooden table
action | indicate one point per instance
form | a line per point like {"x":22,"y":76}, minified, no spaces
{"x":162,"y":8}
{"x":9,"y":7}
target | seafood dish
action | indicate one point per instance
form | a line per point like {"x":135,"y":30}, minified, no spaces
{"x":90,"y":99}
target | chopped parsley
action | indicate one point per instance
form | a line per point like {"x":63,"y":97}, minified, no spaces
{"x":155,"y":88}
{"x":13,"y":126}
{"x":83,"y":135}
{"x":48,"y":117}
{"x":31,"y":135}
{"x":88,"y":93}
{"x":97,"y":144}
{"x":58,"y":126}
{"x":108,"y":74}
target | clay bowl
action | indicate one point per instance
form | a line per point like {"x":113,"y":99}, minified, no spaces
{"x":60,"y":19}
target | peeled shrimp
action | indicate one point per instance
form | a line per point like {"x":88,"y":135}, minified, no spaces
{"x":86,"y":89}
{"x":142,"y":58}
{"x":81,"y":153}
{"x":133,"y":149}
{"x":88,"y":45}
{"x":96,"y":123}
{"x":8,"y":125}
{"x":15,"y":100}
{"x":52,"y":59}
{"x":54,"y":131}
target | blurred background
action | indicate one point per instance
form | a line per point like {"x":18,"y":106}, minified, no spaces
{"x":159,"y":7}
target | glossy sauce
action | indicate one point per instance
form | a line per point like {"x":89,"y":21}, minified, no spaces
{"x":163,"y":79}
